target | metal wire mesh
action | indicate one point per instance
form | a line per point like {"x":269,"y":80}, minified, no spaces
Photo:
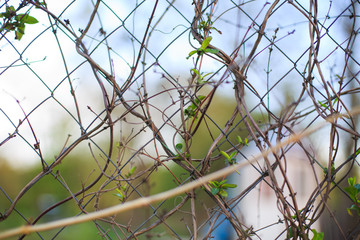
{"x":118,"y":101}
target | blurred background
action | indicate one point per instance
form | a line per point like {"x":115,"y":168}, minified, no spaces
{"x":74,"y":140}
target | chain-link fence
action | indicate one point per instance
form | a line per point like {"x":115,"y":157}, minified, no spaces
{"x":179,"y":119}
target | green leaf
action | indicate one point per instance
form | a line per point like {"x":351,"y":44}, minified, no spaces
{"x":353,"y":208}
{"x":351,"y":181}
{"x":349,"y":211}
{"x":30,"y":20}
{"x":195,"y":71}
{"x":203,"y":48}
{"x":20,"y":17}
{"x":21,"y":29}
{"x":5,"y":15}
{"x":199,"y":99}
{"x":202,"y":77}
{"x":191,"y":53}
{"x":214,"y":191}
{"x":9,"y":27}
{"x":290,"y":233}
{"x":222,"y":182}
{"x":214,"y":183}
{"x":219,"y":187}
{"x":206,"y":43}
{"x":223,"y":193}
{"x":209,"y":50}
{"x":357,"y":152}
{"x":216,"y":30}
{"x":191,"y":110}
{"x":225,"y":155}
{"x":352,"y":192}
{"x":9,"y":13}
{"x":18,"y":35}
{"x":228,"y":185}
{"x":317,"y":235}
{"x":179,"y":147}
{"x":120,"y":194}
{"x":335,"y":100}
{"x":179,"y":157}
{"x":324,"y":105}
{"x":232,"y":155}
{"x":199,"y":77}
{"x":132,"y":170}
{"x":341,"y":79}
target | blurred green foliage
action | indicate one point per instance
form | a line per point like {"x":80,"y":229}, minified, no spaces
{"x":79,"y":169}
